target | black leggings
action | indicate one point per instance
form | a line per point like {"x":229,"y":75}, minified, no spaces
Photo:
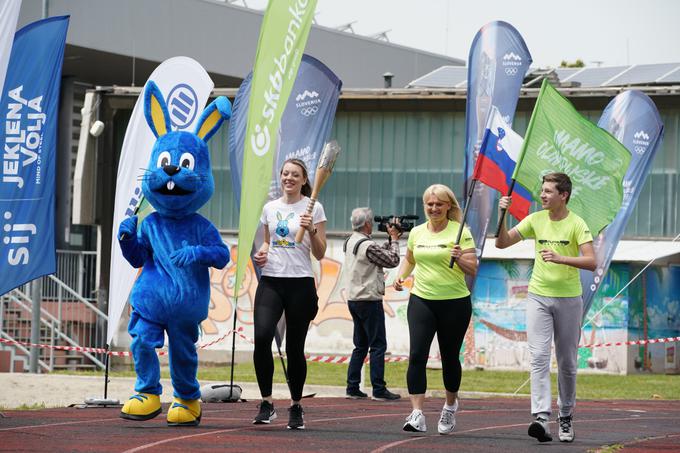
{"x":449,"y":319}
{"x":297,"y":298}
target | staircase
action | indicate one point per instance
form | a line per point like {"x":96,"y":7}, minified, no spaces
{"x":66,"y":319}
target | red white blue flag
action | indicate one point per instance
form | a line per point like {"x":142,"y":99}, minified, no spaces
{"x":496,"y":162}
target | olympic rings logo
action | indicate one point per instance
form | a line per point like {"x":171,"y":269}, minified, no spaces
{"x":309,"y":111}
{"x":511,"y":71}
{"x":640,"y":149}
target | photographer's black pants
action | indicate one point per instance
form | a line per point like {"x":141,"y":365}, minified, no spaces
{"x":296,"y":297}
{"x":449,"y":319}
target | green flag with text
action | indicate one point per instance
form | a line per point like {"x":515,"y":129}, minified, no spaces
{"x":559,"y":139}
{"x":283,"y":35}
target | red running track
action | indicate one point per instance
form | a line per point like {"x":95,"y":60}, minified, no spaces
{"x":335,"y":424}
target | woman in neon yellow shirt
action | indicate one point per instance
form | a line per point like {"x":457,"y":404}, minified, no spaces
{"x":439,"y":302}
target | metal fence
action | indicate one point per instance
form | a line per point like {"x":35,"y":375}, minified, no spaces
{"x":68,"y":316}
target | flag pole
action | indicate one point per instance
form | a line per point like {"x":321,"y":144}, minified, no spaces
{"x":465,"y":211}
{"x":501,"y":218}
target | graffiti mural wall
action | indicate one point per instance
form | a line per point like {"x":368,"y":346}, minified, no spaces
{"x":497,"y":334}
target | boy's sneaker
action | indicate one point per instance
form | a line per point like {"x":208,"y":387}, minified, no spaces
{"x":266,"y":415}
{"x":447,"y":420}
{"x":355,"y":394}
{"x":566,"y":433}
{"x":540,"y":430}
{"x":415,"y":422}
{"x":385,"y":395}
{"x":295,"y":420}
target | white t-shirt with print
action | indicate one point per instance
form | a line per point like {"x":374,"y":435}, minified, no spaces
{"x":286,"y":258}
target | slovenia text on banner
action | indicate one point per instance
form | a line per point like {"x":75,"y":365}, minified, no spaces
{"x":30,"y":105}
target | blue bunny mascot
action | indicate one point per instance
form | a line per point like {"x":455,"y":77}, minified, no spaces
{"x":174,"y":246}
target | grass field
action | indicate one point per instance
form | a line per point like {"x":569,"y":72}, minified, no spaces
{"x":590,"y":386}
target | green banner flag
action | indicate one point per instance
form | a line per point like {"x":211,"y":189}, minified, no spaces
{"x":559,"y":139}
{"x":283,"y":35}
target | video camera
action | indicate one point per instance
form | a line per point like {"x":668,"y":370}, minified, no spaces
{"x":403,"y":225}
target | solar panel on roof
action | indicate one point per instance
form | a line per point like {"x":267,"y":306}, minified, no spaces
{"x":671,"y":77}
{"x":444,"y":77}
{"x":595,"y":77}
{"x":642,"y":74}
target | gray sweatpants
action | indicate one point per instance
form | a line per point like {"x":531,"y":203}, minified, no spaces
{"x":561,"y":317}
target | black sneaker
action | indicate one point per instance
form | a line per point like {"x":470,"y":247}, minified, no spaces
{"x":355,"y":394}
{"x":295,"y":420}
{"x":540,"y":430}
{"x":385,"y":395}
{"x":266,"y":414}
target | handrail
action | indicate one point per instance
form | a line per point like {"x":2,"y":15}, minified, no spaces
{"x":68,"y":289}
{"x":24,"y":349}
{"x":57,"y":330}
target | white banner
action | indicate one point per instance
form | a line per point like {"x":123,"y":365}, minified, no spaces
{"x":9,"y":14}
{"x":186,"y":87}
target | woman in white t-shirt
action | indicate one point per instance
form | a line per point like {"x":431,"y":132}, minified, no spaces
{"x":287,"y":286}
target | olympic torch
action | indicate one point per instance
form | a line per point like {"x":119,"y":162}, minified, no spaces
{"x":323,"y":172}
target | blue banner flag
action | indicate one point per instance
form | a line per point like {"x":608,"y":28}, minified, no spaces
{"x":497,"y":63}
{"x":633,"y":119}
{"x":29,"y":106}
{"x":305,"y":126}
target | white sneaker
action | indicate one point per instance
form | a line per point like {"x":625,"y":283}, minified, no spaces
{"x":566,"y":432}
{"x":447,"y":420}
{"x":415,"y":422}
{"x":540,"y":429}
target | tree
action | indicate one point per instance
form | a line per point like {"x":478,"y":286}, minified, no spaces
{"x":576,"y":64}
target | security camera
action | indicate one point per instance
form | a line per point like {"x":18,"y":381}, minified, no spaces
{"x":97,"y":128}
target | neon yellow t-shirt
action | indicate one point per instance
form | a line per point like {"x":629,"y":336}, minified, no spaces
{"x":434,"y":280}
{"x":563,"y":237}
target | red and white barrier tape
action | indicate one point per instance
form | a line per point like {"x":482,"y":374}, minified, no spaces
{"x":314,"y":358}
{"x":117,"y":353}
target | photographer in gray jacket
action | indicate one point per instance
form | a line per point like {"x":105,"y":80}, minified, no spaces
{"x":365,"y":283}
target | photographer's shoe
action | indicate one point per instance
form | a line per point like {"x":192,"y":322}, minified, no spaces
{"x":355,"y":394}
{"x":385,"y":395}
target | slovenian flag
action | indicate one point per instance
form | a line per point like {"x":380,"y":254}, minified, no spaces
{"x":496,"y":162}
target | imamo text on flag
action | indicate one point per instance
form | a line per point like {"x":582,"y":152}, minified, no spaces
{"x":559,"y":139}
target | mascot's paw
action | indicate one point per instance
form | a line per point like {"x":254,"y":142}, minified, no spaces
{"x":142,"y":406}
{"x":184,"y":413}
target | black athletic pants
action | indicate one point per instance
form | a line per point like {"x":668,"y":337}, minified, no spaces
{"x":449,"y":319}
{"x":296,"y":297}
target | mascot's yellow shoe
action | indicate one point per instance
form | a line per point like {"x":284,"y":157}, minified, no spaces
{"x":184,"y":413}
{"x":142,"y":406}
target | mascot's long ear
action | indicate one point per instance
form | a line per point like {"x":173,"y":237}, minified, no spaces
{"x":155,"y":110}
{"x":212,"y":117}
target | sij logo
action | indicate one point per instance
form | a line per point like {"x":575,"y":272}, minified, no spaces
{"x":182,"y":105}
{"x":133,"y":205}
{"x":17,"y":235}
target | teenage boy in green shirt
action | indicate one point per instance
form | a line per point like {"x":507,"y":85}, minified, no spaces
{"x":554,"y":306}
